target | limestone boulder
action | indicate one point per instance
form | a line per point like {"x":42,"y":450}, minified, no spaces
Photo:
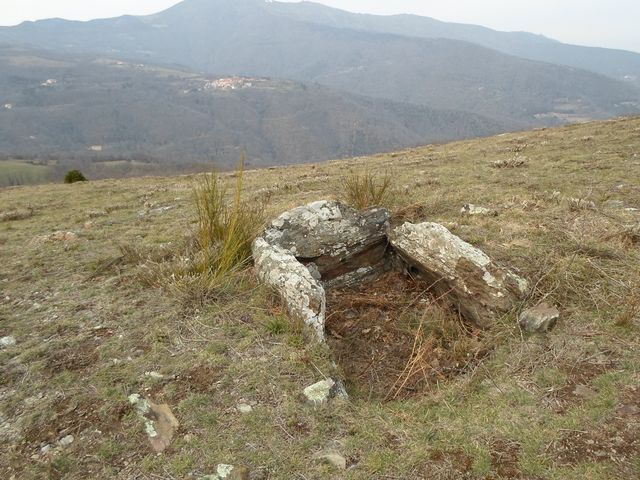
{"x":478,"y":288}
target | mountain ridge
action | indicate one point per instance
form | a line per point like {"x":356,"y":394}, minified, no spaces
{"x":70,"y":104}
{"x":252,"y":38}
{"x":519,"y":43}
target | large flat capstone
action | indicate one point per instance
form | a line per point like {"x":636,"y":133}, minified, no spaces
{"x":342,"y":244}
{"x":478,"y":288}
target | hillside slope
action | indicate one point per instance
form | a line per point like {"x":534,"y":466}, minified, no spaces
{"x":619,"y":64}
{"x":169,"y":115}
{"x":246,"y":37}
{"x":94,"y":297}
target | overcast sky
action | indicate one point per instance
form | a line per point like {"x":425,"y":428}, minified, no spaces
{"x":606,"y":23}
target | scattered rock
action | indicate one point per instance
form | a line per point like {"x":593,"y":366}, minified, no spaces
{"x":580,"y":204}
{"x":13,"y":215}
{"x":66,"y":441}
{"x":154,"y":375}
{"x":513,"y":162}
{"x":539,"y":319}
{"x":228,"y":472}
{"x":478,"y":288}
{"x":320,"y":393}
{"x":97,"y":213}
{"x":614,"y":203}
{"x":244,"y":408}
{"x":470,"y":209}
{"x":59,"y":236}
{"x":159,"y":422}
{"x":332,"y":457}
{"x":7,"y":342}
{"x":629,"y":410}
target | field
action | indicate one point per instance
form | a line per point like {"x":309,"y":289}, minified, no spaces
{"x":17,"y":172}
{"x":88,"y":294}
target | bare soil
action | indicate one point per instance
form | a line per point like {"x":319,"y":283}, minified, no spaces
{"x":382,"y":338}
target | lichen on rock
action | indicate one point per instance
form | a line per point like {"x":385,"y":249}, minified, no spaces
{"x":464,"y":274}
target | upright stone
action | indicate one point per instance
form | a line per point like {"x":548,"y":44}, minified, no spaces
{"x":478,"y":288}
{"x":303,"y":294}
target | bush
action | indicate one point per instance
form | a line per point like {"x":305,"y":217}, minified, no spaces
{"x":226,"y":227}
{"x":366,"y":190}
{"x":74,"y":176}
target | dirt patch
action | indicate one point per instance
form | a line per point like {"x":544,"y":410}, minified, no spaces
{"x":80,"y":355}
{"x":505,"y":458}
{"x":393,"y":339}
{"x":70,"y":416}
{"x":577,"y":387}
{"x":456,"y":463}
{"x":201,"y":379}
{"x":617,"y":441}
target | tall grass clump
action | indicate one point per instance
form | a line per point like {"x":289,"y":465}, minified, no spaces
{"x":363,"y":190}
{"x":227,"y":225}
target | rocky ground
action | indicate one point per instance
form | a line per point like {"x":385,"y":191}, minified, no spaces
{"x":110,"y":367}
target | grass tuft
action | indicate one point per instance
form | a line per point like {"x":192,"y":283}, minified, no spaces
{"x":364,"y":190}
{"x":226,"y":227}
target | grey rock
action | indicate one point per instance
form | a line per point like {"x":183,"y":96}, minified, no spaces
{"x":477,"y":287}
{"x":303,"y":295}
{"x":7,"y":342}
{"x":344,"y":244}
{"x":332,"y":457}
{"x":319,"y":393}
{"x":585,"y":392}
{"x":66,"y":441}
{"x":470,"y":209}
{"x":228,"y":472}
{"x":614,"y":203}
{"x":244,"y":408}
{"x":539,"y":319}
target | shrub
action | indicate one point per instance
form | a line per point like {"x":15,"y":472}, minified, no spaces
{"x":367,"y":190}
{"x":226,"y":227}
{"x":74,"y":176}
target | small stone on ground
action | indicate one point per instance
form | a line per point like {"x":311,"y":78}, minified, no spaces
{"x":319,"y":393}
{"x":332,"y":457}
{"x":539,"y":319}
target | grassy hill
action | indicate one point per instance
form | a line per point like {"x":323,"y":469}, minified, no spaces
{"x":97,"y":316}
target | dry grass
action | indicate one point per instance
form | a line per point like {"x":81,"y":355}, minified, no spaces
{"x":20,"y":214}
{"x":364,"y":190}
{"x":94,"y":317}
{"x":443,"y":346}
{"x":226,"y":229}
